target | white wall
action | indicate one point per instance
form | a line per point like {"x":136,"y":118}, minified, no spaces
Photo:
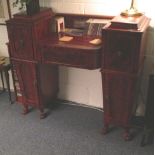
{"x":84,"y":86}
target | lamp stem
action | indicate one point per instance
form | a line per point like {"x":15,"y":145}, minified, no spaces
{"x":132,"y":4}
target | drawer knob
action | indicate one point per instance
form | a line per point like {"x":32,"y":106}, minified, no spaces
{"x":35,"y":83}
{"x":119,"y":53}
{"x":107,"y":97}
{"x":21,"y":43}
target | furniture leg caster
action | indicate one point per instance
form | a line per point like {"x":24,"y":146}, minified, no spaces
{"x":127,"y":135}
{"x":105,"y":129}
{"x":42,"y":115}
{"x":25,"y":110}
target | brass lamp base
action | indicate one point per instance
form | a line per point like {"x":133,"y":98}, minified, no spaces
{"x":132,"y":12}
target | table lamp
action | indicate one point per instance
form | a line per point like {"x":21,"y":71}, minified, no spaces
{"x":132,"y":11}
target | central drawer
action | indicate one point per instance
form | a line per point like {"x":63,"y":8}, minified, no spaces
{"x":81,"y":58}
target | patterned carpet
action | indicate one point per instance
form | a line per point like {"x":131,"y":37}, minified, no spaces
{"x":68,"y":130}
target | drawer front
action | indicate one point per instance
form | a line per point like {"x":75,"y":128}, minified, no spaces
{"x":71,"y":57}
{"x":120,"y":52}
{"x":21,"y":37}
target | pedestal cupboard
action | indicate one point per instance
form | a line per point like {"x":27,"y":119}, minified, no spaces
{"x":29,"y":74}
{"x":122,"y":63}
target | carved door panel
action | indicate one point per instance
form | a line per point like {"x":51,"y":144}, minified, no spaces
{"x":26,"y":74}
{"x":21,"y":39}
{"x":120,"y":51}
{"x":118,"y":93}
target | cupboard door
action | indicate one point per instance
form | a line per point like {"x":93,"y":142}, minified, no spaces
{"x":21,"y":38}
{"x":118,"y":98}
{"x":120,"y":51}
{"x":26,"y":74}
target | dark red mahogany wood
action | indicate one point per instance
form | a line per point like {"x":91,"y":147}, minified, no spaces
{"x":36,"y":54}
{"x":122,"y":63}
{"x":30,"y":76}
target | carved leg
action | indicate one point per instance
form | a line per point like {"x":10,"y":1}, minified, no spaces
{"x":106,"y":123}
{"x":126,"y":134}
{"x":25,"y":110}
{"x":42,"y":113}
{"x":105,"y":128}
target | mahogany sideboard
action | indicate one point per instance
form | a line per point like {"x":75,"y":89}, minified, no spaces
{"x":36,"y":53}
